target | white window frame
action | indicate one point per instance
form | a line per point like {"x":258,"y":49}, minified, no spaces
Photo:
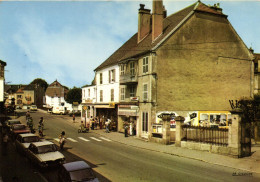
{"x":122,"y":69}
{"x":100,"y":78}
{"x":132,"y":91}
{"x":101,"y":95}
{"x":132,"y":68}
{"x":122,"y":94}
{"x":145,"y":92}
{"x":145,"y":65}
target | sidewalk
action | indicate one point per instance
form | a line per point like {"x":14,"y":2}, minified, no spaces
{"x":250,"y":164}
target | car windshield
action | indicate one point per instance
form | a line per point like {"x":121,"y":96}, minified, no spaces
{"x":82,"y":175}
{"x":47,"y":148}
{"x":31,"y":139}
{"x":19,"y":127}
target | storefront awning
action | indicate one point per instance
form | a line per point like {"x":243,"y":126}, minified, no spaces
{"x":104,"y":106}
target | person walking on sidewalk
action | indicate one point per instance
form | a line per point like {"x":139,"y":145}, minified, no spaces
{"x":126,"y":130}
{"x":73,"y":116}
{"x":62,"y":140}
{"x":107,"y":125}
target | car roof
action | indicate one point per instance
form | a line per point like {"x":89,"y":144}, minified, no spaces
{"x":27,"y":135}
{"x":77,"y":165}
{"x":37,"y":144}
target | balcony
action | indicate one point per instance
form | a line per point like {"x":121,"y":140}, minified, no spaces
{"x":128,"y":78}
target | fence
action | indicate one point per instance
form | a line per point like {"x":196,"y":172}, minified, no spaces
{"x":216,"y":136}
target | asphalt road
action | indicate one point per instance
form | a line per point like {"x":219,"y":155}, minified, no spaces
{"x":113,"y":161}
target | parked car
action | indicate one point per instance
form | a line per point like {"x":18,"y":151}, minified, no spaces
{"x":76,"y":171}
{"x":45,"y":154}
{"x":18,"y":129}
{"x":23,"y":141}
{"x":11,"y":122}
{"x":33,"y":108}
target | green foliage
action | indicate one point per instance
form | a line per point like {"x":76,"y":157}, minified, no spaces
{"x":41,"y":82}
{"x":250,"y":108}
{"x":74,"y":95}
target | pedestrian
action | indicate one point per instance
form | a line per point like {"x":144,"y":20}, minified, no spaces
{"x":107,"y":123}
{"x":126,"y":130}
{"x":62,"y":140}
{"x":131,"y":129}
{"x":4,"y":144}
{"x":73,"y":116}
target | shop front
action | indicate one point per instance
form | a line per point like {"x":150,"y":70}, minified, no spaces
{"x":128,"y":118}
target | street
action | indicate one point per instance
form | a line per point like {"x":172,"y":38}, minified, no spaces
{"x":113,"y":161}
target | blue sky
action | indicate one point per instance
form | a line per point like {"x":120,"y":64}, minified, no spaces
{"x":67,"y":40}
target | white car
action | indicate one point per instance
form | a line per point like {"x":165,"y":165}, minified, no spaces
{"x":23,"y":141}
{"x":45,"y":154}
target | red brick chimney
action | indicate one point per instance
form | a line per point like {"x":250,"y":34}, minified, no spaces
{"x":157,"y":18}
{"x":144,"y":22}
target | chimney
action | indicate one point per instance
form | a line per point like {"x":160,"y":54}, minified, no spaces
{"x":157,"y":18}
{"x":144,"y":22}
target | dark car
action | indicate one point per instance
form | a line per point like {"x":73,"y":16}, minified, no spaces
{"x":77,"y":171}
{"x":45,"y":154}
{"x":8,"y":124}
{"x":18,"y":129}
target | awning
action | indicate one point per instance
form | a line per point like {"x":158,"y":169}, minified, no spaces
{"x":104,"y":106}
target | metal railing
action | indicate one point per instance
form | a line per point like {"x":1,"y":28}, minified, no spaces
{"x":216,"y":136}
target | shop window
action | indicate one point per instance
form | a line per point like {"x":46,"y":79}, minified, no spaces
{"x":101,"y":96}
{"x":145,"y":122}
{"x":145,"y":65}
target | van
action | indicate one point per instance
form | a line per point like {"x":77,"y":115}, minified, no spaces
{"x":59,"y":110}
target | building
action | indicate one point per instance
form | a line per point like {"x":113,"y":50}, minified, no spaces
{"x":2,"y":79}
{"x":55,"y":95}
{"x":257,"y":74}
{"x":190,"y":63}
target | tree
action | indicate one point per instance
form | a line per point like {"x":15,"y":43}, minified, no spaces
{"x":40,"y":82}
{"x":74,"y":95}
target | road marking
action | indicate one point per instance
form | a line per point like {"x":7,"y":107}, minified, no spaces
{"x":84,"y":139}
{"x":57,"y":139}
{"x":105,"y":139}
{"x":95,"y":139}
{"x":72,"y":140}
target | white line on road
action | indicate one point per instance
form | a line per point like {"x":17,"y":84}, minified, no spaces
{"x":84,"y":139}
{"x":95,"y":139}
{"x":72,"y":140}
{"x":105,"y":139}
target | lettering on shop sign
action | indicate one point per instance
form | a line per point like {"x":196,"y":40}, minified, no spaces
{"x":193,"y":115}
{"x":234,"y":104}
{"x":166,"y":114}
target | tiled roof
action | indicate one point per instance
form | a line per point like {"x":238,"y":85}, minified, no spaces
{"x":55,"y":89}
{"x":132,"y":49}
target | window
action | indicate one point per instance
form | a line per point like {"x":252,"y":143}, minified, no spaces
{"x":19,"y":96}
{"x":145,"y":122}
{"x":122,"y":69}
{"x":100,"y":78}
{"x":132,"y":91}
{"x":101,"y":96}
{"x":132,"y":68}
{"x":145,"y":92}
{"x":122,"y":93}
{"x":112,"y":95}
{"x":145,"y":65}
{"x":88,"y":92}
{"x":112,"y":75}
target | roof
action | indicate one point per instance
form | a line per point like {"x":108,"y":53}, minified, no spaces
{"x":77,"y":165}
{"x":132,"y":49}
{"x":29,"y":87}
{"x":2,"y":62}
{"x":55,"y":89}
